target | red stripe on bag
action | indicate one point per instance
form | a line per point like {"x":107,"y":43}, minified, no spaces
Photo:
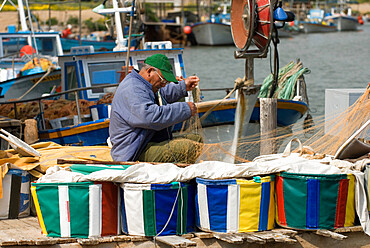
{"x":109,"y":208}
{"x":340,"y":216}
{"x":69,"y":215}
{"x":280,"y":200}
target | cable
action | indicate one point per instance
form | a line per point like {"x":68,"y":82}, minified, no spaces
{"x":275,"y":41}
{"x":169,"y":218}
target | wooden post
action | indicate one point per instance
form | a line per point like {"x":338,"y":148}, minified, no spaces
{"x":30,"y":131}
{"x":268,"y":124}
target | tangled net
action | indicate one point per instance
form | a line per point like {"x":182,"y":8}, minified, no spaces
{"x":323,"y":135}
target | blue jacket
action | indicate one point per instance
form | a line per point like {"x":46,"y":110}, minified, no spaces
{"x":135,"y":115}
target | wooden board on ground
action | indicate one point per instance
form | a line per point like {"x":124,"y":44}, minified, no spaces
{"x":175,"y":241}
{"x":26,"y":232}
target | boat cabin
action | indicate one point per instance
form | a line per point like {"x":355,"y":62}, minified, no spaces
{"x":101,"y":68}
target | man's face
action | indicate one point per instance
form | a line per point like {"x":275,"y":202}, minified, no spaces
{"x":158,"y":81}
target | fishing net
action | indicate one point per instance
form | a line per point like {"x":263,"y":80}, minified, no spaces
{"x":319,"y":135}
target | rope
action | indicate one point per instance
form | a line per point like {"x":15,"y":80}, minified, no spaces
{"x":238,"y":84}
{"x":169,"y":218}
{"x":42,"y":78}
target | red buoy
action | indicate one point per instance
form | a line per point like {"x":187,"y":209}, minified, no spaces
{"x":27,"y":49}
{"x":187,"y":29}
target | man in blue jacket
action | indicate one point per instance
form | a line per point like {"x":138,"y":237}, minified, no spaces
{"x":144,"y":109}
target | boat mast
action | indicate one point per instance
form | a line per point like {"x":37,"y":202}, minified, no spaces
{"x":120,"y":41}
{"x":22,"y":15}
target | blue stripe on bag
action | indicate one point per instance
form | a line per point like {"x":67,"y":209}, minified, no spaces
{"x":313,"y":203}
{"x":265,"y":205}
{"x":217,"y":207}
{"x":164,"y":200}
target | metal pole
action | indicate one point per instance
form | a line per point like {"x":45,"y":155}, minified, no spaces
{"x":42,"y":115}
{"x":78,"y":108}
{"x":49,"y":17}
{"x":79,"y":23}
{"x":129,"y":38}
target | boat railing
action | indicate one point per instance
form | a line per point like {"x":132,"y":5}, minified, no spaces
{"x":75,"y":92}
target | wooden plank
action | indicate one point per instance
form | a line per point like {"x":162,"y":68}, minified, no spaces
{"x":289,"y":232}
{"x":229,"y":238}
{"x":188,"y":235}
{"x":250,"y":238}
{"x":267,"y":236}
{"x":139,"y":238}
{"x":121,"y":238}
{"x":175,"y":241}
{"x":282,"y":238}
{"x":6,"y":239}
{"x":204,"y":235}
{"x":356,"y":228}
{"x":31,"y":221}
{"x":330,"y":234}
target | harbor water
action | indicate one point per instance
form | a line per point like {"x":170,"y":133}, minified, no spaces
{"x":336,"y":60}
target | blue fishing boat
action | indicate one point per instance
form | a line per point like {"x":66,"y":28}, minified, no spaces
{"x":21,"y":71}
{"x":315,"y":22}
{"x":215,"y":31}
{"x":67,"y":44}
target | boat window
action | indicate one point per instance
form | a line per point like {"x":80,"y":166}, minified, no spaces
{"x":12,"y":46}
{"x":104,"y":73}
{"x":71,"y":80}
{"x":46,"y":46}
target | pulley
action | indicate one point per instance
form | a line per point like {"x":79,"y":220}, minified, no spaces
{"x":252,"y":22}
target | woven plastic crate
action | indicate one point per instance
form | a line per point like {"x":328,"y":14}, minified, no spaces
{"x":309,"y":201}
{"x":79,"y":210}
{"x":146,"y":208}
{"x":235,"y":205}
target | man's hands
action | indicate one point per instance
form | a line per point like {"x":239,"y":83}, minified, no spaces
{"x":193,"y":108}
{"x":190,"y":82}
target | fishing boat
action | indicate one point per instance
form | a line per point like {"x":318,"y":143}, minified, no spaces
{"x":215,"y":31}
{"x":28,"y":60}
{"x":315,"y":22}
{"x":67,"y":44}
{"x":342,"y":18}
{"x":20,"y":72}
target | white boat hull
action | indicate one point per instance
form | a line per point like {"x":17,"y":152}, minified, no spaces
{"x":344,"y":23}
{"x":212,"y":34}
{"x":318,"y":28}
{"x":14,"y":88}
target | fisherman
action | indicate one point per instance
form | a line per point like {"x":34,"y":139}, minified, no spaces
{"x":67,"y":33}
{"x":145,"y":108}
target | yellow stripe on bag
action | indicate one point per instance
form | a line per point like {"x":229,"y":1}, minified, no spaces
{"x":271,"y":221}
{"x":350,"y":206}
{"x":38,"y":210}
{"x":250,"y":200}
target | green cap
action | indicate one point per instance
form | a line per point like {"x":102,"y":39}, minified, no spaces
{"x":162,"y":63}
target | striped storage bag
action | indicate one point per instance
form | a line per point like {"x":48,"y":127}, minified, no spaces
{"x":79,"y":210}
{"x":15,"y":202}
{"x":235,"y":205}
{"x":158,"y":209}
{"x":309,"y":201}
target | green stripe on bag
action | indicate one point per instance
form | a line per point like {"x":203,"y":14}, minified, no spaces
{"x":49,"y":205}
{"x":295,"y":198}
{"x":79,"y":209}
{"x":328,"y":202}
{"x":182,"y":210}
{"x":149,"y":212}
